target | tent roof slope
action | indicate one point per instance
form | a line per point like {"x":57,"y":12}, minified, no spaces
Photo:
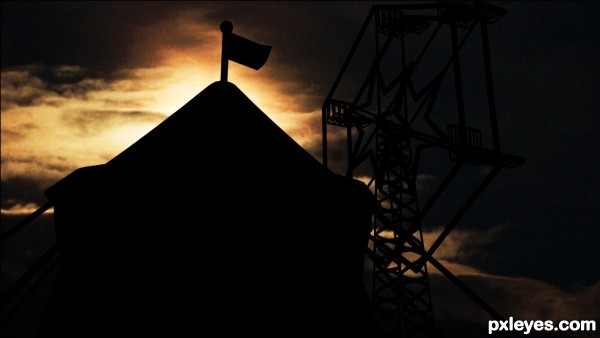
{"x":217,"y":125}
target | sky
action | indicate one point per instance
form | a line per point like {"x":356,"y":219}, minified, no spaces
{"x":81,"y":81}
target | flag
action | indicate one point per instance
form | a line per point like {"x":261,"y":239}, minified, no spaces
{"x":244,"y":51}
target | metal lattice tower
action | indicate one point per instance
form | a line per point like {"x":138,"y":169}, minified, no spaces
{"x":391,"y":115}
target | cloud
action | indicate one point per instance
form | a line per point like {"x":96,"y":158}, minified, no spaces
{"x":19,"y":88}
{"x":23,"y":209}
{"x":517,"y":297}
{"x":22,"y":191}
{"x":67,"y":72}
{"x":464,"y":246}
{"x":51,"y":129}
{"x":90,"y":121}
{"x":97,"y":121}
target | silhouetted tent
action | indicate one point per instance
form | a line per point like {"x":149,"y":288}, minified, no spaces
{"x":216,"y":222}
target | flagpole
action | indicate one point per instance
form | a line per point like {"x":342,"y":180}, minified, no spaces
{"x":226,"y":28}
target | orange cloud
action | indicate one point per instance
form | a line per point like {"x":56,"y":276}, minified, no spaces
{"x":23,"y":210}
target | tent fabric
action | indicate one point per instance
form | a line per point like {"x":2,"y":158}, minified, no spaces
{"x":216,"y":221}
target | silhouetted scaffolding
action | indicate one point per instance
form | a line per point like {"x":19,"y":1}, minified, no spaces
{"x":391,"y":112}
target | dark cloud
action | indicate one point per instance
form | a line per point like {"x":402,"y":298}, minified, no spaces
{"x":93,"y":35}
{"x":25,"y":176}
{"x":66,"y":71}
{"x":20,"y":87}
{"x":22,"y":190}
{"x":28,"y":85}
{"x":11,"y":134}
{"x":520,"y":298}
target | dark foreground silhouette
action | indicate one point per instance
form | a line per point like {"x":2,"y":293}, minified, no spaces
{"x":216,"y":222}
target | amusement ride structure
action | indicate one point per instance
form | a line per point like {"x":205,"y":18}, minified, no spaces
{"x":411,"y":101}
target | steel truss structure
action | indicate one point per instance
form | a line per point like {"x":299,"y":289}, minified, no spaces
{"x":391,"y":115}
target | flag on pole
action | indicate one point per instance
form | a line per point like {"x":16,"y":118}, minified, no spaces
{"x":241,"y":50}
